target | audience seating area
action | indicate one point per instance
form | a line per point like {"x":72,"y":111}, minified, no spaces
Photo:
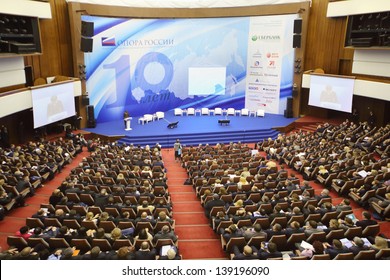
{"x":252,"y":199}
{"x":114,"y":205}
{"x":25,"y":168}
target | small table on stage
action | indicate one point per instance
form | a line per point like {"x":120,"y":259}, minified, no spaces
{"x":128,"y":123}
{"x":224,"y":122}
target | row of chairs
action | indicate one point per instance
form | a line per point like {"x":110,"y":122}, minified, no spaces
{"x":83,"y":244}
{"x":219,"y":112}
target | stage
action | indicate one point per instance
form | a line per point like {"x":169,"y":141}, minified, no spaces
{"x":192,"y":130}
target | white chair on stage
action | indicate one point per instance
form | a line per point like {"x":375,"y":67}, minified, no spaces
{"x":205,"y":111}
{"x":260,"y":113}
{"x":231,"y":112}
{"x":148,"y":118}
{"x":160,"y":115}
{"x":244,"y":112}
{"x":178,"y":112}
{"x":190,"y":112}
{"x":218,"y":112}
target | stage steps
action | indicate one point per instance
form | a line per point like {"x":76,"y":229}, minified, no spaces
{"x":166,"y":141}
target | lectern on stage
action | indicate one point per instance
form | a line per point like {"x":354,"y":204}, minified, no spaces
{"x":128,"y":123}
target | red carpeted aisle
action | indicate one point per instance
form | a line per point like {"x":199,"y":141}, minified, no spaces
{"x":196,"y":238}
{"x":16,"y":218}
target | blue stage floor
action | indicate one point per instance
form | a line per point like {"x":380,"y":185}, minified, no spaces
{"x":241,"y":128}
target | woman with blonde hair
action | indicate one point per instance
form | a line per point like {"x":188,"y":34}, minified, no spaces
{"x":239,"y":203}
{"x":115,"y":234}
{"x":91,"y":217}
{"x":380,"y":243}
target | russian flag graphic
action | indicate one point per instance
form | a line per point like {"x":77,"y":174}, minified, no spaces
{"x":108,"y":41}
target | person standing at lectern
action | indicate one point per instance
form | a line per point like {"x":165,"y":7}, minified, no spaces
{"x":125,"y":116}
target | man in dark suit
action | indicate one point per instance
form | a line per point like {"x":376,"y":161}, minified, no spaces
{"x":212,"y":203}
{"x":335,"y":249}
{"x":145,"y":253}
{"x":344,"y":206}
{"x":94,"y":254}
{"x":270,"y":252}
{"x":358,"y":246}
{"x":366,"y":221}
{"x":165,"y":233}
{"x":247,"y":254}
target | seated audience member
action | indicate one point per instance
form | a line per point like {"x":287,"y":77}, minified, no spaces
{"x":24,"y":232}
{"x":333,"y":225}
{"x":165,"y":233}
{"x":346,"y":223}
{"x":216,"y":201}
{"x":254,"y":232}
{"x":123,"y":253}
{"x":311,"y":227}
{"x":318,"y":249}
{"x":381,"y":201}
{"x":269,"y":251}
{"x":335,"y":249}
{"x":358,"y":245}
{"x":144,"y":234}
{"x":94,"y":254}
{"x":344,"y":206}
{"x":172,"y":254}
{"x":221,"y":216}
{"x":367,"y":221}
{"x":145,"y":218}
{"x":275,"y":230}
{"x":145,"y":253}
{"x":324,"y":194}
{"x":26,"y":253}
{"x":247,"y":254}
{"x":380,"y":243}
{"x":232,"y":231}
{"x":294,"y":227}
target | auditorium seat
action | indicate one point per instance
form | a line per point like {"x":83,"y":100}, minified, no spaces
{"x":321,"y":257}
{"x":119,"y":243}
{"x":344,"y":256}
{"x":383,"y":254}
{"x":34,"y":241}
{"x":372,"y":231}
{"x":365,"y":255}
{"x":17,"y":242}
{"x":81,"y":244}
{"x":103,"y":244}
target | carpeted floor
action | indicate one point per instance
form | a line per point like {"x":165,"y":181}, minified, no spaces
{"x":196,"y":238}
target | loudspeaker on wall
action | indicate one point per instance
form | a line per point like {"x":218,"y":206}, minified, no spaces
{"x":298,"y":26}
{"x":86,"y":44}
{"x":87,"y":29}
{"x":85,"y":101}
{"x":297,"y":41}
{"x":28,"y":71}
{"x":91,"y":123}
